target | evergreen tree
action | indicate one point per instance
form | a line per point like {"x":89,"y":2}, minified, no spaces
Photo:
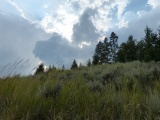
{"x":80,"y":65}
{"x":51,"y":68}
{"x":149,"y":50}
{"x":101,"y":53}
{"x":89,"y":63}
{"x":95,"y":59}
{"x":63,"y":68}
{"x":131,"y":49}
{"x":97,"y":54}
{"x":74,"y":65}
{"x":105,"y":51}
{"x":140,"y":50}
{"x":154,"y":48}
{"x":127,"y":51}
{"x":40,"y":69}
{"x":121,"y":54}
{"x":157,"y":46}
{"x":113,"y":49}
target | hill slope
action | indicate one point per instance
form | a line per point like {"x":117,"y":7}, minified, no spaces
{"x":118,"y":91}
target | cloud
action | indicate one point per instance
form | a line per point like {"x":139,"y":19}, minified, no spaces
{"x":154,"y":3}
{"x":91,"y":26}
{"x":121,"y":7}
{"x":61,"y":23}
{"x":137,"y":5}
{"x":18,"y":38}
{"x":58,"y":51}
{"x":18,"y":9}
{"x":59,"y":31}
{"x":53,"y":50}
{"x":88,"y":21}
{"x":84,"y":30}
{"x":137,"y":21}
{"x":66,"y":14}
{"x":76,"y":5}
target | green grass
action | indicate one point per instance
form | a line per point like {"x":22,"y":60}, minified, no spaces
{"x":129,"y":91}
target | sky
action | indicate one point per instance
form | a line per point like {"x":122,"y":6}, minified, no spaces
{"x":55,"y":32}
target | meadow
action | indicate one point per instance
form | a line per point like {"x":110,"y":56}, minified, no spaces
{"x":121,"y":91}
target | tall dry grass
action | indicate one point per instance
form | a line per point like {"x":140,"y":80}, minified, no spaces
{"x":105,"y":92}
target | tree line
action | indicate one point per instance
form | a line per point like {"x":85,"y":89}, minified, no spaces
{"x":107,"y":51}
{"x":145,"y":50}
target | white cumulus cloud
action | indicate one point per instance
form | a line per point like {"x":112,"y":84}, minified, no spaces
{"x":154,"y":3}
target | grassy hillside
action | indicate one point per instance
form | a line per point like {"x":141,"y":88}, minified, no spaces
{"x":105,"y":92}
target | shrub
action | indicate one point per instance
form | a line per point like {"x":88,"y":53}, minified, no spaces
{"x":49,"y":91}
{"x":95,"y":86}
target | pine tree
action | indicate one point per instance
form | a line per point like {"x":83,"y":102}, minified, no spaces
{"x":105,"y":51}
{"x":131,"y":49}
{"x":40,"y":69}
{"x":97,"y":54}
{"x":121,"y":54}
{"x":157,"y":46}
{"x":63,"y":68}
{"x":74,"y":65}
{"x":51,"y":68}
{"x":101,"y":54}
{"x":113,"y":47}
{"x":89,"y":63}
{"x":140,"y":50}
{"x":127,"y":51}
{"x":149,"y":51}
{"x":80,"y":65}
{"x":95,"y":59}
{"x":99,"y":51}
